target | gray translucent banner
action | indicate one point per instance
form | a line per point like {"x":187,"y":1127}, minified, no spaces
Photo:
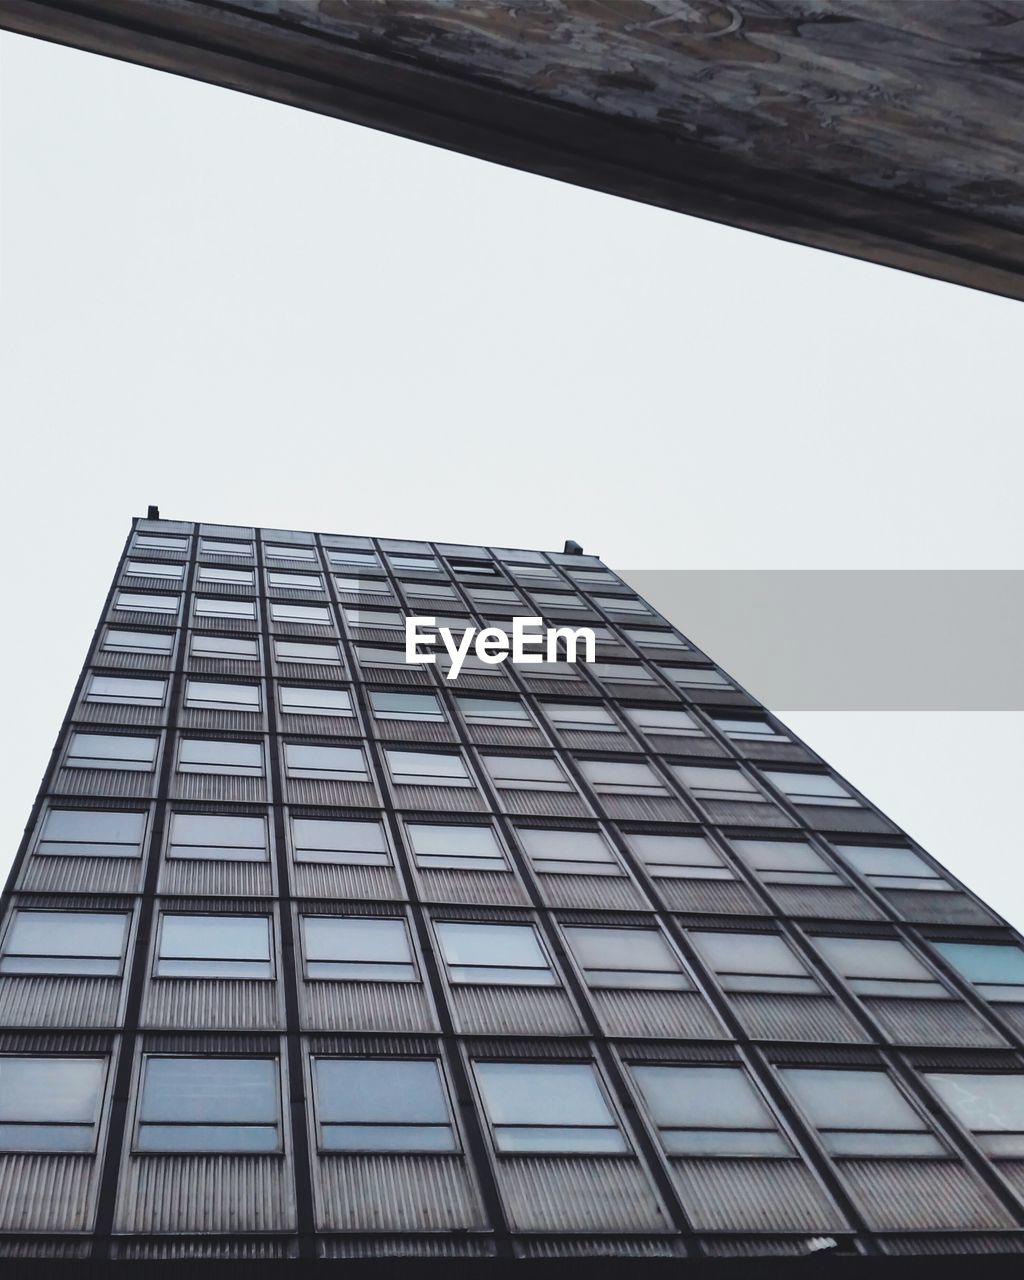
{"x":854,"y":640}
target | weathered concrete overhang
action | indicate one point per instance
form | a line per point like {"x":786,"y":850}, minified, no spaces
{"x":888,"y":130}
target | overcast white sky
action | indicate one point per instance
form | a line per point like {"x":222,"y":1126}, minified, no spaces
{"x":247,"y":313}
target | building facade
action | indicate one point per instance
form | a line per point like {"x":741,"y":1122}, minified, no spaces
{"x":309,"y":953}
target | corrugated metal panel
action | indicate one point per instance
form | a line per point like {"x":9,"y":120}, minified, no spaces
{"x":484,"y":887}
{"x":648,"y":692}
{"x":205,"y":1247}
{"x":224,"y":1004}
{"x":578,"y":1193}
{"x":330,"y":792}
{"x":600,"y":1247}
{"x":395,"y":1193}
{"x":499,"y":735}
{"x":205,"y":1193}
{"x":49,"y":873}
{"x":202,"y":876}
{"x":1013,"y":1016}
{"x":714,"y":696}
{"x":47,"y":1192}
{"x":941,"y":1245}
{"x":943,"y":908}
{"x":405,"y":1246}
{"x":542,"y":1011}
{"x":753,"y":1195}
{"x":214,"y":718}
{"x":724,"y":897}
{"x":149,"y":662}
{"x":739,"y":813}
{"x":365,"y":1006}
{"x":588,"y":740}
{"x":545,"y":804}
{"x":833,"y":902}
{"x":104,"y":782}
{"x":302,"y":670}
{"x":931,"y":1022}
{"x":646,"y":808}
{"x":682,"y":1014}
{"x":139,"y":618}
{"x":45,"y":1247}
{"x":331,"y":880}
{"x":393,"y":675}
{"x":922,"y":1196}
{"x":775,"y":752}
{"x":821,"y":817}
{"x":119,"y":713}
{"x":790,"y":1017}
{"x":673,"y":744}
{"x":559,"y":688}
{"x":413,"y":731}
{"x":218,"y":786}
{"x":341,"y":727}
{"x":1013,"y":1173}
{"x":608,"y":893}
{"x":443,"y":799}
{"x":59,"y":1001}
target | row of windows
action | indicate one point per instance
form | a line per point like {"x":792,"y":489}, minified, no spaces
{"x":110,"y":833}
{"x":233,"y":1104}
{"x":373,"y":948}
{"x":450,"y":768}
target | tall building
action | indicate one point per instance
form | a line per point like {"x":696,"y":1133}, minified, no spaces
{"x":309,"y":952}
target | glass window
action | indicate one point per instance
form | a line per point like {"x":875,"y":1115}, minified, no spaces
{"x":547,"y":1107}
{"x":786,"y":862}
{"x":382,"y":1104}
{"x":405,"y":706}
{"x":421,"y":564}
{"x":697,"y":678}
{"x":705,"y":783}
{"x":194,"y":946}
{"x":298,"y":701}
{"x":615,"y":777}
{"x":893,"y":868}
{"x":156,"y":542}
{"x":749,"y":730}
{"x":343,"y":764}
{"x":213,"y":646}
{"x":629,"y":672}
{"x":131,"y":692}
{"x":500,"y":954}
{"x":80,"y":942}
{"x":495,"y":595}
{"x":343,"y":558}
{"x":622,"y":604}
{"x":556,"y":602}
{"x":96,"y":833}
{"x":428,"y":590}
{"x":880,"y":967}
{"x":468,"y":848}
{"x":860,"y":1113}
{"x":219,"y":837}
{"x":996,"y":969}
{"x":371,"y":656}
{"x":664,"y":720}
{"x":238,"y":577}
{"x":812,"y":788}
{"x":295,"y":581}
{"x":111,"y":751}
{"x":340,"y":840}
{"x":116,"y":641}
{"x":298,"y":651}
{"x":760,"y":962}
{"x":134,"y":603}
{"x":634,"y":958}
{"x":533,"y":573}
{"x":225,"y":607}
{"x":709,"y":1111}
{"x":425,"y":768}
{"x":493,"y":710}
{"x":50,"y":1104}
{"x":225,"y":697}
{"x":654,"y":639}
{"x":363,"y":586}
{"x":588,"y":577}
{"x":274,"y":552}
{"x":358,"y":948}
{"x":209,"y":1104}
{"x":529,"y":773}
{"x":143,"y":569}
{"x":991,"y":1106}
{"x":389,"y":618}
{"x":474,"y":666}
{"x":580,"y":715}
{"x":679,"y":857}
{"x":213,"y":755}
{"x":579,"y":853}
{"x":218,"y":547}
{"x":288,"y":611}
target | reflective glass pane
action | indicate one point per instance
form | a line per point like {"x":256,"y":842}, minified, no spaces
{"x":984,"y":962}
{"x":982,"y":1102}
{"x":543,"y":1093}
{"x":851,"y":1099}
{"x":50,"y":1090}
{"x":380,"y":1090}
{"x":222,"y":1091}
{"x":92,"y":832}
{"x":702,"y":1097}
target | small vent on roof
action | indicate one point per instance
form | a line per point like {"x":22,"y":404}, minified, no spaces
{"x":572,"y":548}
{"x":152,"y":513}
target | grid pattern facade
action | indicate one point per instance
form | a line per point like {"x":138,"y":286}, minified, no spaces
{"x":310,"y":953}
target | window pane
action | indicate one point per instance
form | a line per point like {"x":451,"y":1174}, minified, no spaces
{"x":49,"y":1104}
{"x":680,"y":857}
{"x":216,"y":546}
{"x":297,"y":651}
{"x":702,"y":780}
{"x":202,"y":755}
{"x":872,"y":958}
{"x":563,"y":1095}
{"x":276,"y":552}
{"x":340,"y":840}
{"x":138,"y":641}
{"x":985,"y":1103}
{"x":485,"y":709}
{"x":525,"y":769}
{"x":619,"y":776}
{"x":329,"y":702}
{"x":502,"y":953}
{"x":85,"y":942}
{"x":877,"y":860}
{"x":214,"y":1090}
{"x":851,"y":1099}
{"x":435,"y":845}
{"x":286,"y":611}
{"x":361,"y":948}
{"x":211,"y":646}
{"x":88,"y":832}
{"x":985,"y":962}
{"x":213,"y":606}
{"x":345,"y":763}
{"x":747,"y":953}
{"x":790,"y":855}
{"x":663,"y":721}
{"x":214,"y":946}
{"x":405,"y":706}
{"x":218,"y":836}
{"x":424,"y":764}
{"x":702,"y":1097}
{"x":626,"y":958}
{"x":295,"y":581}
{"x":108,"y":751}
{"x":204,"y":693}
{"x":241,"y":577}
{"x":578,"y":852}
{"x":382,"y":1104}
{"x":807,"y":785}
